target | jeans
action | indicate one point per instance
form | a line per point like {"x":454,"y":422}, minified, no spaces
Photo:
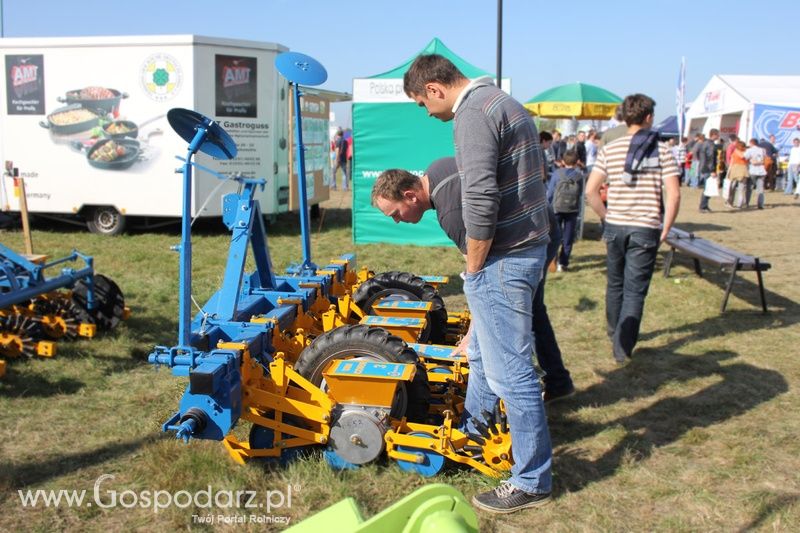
{"x":791,"y":179}
{"x":567,"y":222}
{"x":500,"y":297}
{"x":703,"y":198}
{"x":693,"y":173}
{"x":548,"y":354}
{"x":343,"y":166}
{"x":630,"y":262}
{"x":758,"y":185}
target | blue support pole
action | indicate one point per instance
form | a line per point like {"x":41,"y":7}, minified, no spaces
{"x":308,"y":268}
{"x":185,"y":275}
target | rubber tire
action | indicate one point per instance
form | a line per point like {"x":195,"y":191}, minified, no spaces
{"x":387,"y":283}
{"x":111,"y":302}
{"x":361,"y":340}
{"x":105,"y":220}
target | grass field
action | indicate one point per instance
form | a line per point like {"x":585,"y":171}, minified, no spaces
{"x":698,"y":433}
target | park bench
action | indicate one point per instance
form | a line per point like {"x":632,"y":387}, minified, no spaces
{"x":727,"y":260}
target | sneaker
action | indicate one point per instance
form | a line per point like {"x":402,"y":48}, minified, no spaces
{"x":550,"y":396}
{"x":560,"y":268}
{"x":620,"y":356}
{"x":705,"y":210}
{"x":507,"y":498}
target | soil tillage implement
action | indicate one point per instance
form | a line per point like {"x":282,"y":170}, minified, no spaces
{"x":300,"y":359}
{"x":37,"y":309}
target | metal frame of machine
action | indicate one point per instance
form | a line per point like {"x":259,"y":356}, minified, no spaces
{"x":297,"y":357}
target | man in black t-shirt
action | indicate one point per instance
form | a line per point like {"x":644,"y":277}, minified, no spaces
{"x":405,"y":197}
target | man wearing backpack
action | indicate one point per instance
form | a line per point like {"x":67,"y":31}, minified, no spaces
{"x":564,"y":193}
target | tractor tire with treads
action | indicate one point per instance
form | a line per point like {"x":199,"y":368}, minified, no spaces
{"x":374,"y":344}
{"x":405,"y":286}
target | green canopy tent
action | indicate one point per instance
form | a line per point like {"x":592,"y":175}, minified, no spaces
{"x":391,"y":131}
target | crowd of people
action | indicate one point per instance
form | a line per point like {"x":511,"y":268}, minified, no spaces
{"x":509,"y":199}
{"x":733,"y":169}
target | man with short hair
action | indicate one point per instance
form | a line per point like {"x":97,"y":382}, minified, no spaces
{"x":559,"y":146}
{"x":580,"y":148}
{"x":340,"y":161}
{"x":770,"y":161}
{"x":405,"y":197}
{"x":756,"y":156}
{"x":638,"y":169}
{"x":505,"y":216}
{"x":707,"y":166}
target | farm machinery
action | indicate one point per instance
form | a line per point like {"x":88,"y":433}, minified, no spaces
{"x":333,"y":356}
{"x":37,"y":310}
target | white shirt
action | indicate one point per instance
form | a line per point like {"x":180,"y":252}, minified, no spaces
{"x":794,"y":155}
{"x":755,"y":155}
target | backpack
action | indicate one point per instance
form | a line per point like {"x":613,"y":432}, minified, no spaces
{"x":567,"y":196}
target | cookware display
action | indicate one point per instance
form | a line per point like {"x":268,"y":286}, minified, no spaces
{"x":97,"y":98}
{"x":74,"y":118}
{"x":111,"y":154}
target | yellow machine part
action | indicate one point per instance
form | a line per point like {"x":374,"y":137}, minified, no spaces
{"x":348,"y":382}
{"x":267,"y":399}
{"x":494,"y":454}
{"x":13,"y":345}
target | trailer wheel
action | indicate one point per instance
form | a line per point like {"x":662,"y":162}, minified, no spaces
{"x":105,"y":220}
{"x":372,"y":344}
{"x":408,"y":287}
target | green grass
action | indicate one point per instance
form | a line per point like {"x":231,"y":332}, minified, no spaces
{"x":698,"y":432}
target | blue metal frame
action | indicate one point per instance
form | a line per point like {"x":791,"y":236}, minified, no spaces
{"x":22,"y":280}
{"x":307,"y":267}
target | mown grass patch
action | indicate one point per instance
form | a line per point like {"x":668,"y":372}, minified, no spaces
{"x":698,"y":432}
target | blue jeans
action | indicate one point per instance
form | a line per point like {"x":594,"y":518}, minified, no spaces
{"x":548,"y":354}
{"x":500,"y":297}
{"x":791,"y":179}
{"x":567,"y":223}
{"x":343,"y":166}
{"x":630,"y":261}
{"x":703,"y":198}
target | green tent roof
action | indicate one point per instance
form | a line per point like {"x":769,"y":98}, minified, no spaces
{"x":437,"y":47}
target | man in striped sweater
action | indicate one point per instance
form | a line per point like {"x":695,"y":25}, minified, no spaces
{"x":504,"y":209}
{"x":635,"y":224}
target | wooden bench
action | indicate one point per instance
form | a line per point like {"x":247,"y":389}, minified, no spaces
{"x":702,"y":250}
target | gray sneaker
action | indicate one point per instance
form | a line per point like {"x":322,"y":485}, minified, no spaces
{"x":507,"y":499}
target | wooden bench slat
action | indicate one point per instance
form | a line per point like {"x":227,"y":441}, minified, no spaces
{"x":707,"y":251}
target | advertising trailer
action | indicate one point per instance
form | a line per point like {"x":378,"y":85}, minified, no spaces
{"x":84,"y":120}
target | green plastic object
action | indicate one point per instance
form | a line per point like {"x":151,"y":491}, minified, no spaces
{"x":436,"y":508}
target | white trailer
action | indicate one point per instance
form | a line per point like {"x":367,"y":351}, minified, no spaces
{"x":64,"y":98}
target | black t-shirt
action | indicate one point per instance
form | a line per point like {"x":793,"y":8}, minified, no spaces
{"x":445,"y":190}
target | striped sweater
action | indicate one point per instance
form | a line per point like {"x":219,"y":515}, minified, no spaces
{"x":500,"y":165}
{"x":638,"y":204}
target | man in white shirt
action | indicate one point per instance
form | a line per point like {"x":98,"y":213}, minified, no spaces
{"x":755,"y":156}
{"x":794,"y":167}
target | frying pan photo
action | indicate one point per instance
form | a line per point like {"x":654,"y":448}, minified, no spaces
{"x":72,"y":119}
{"x":109,"y":104}
{"x":120,"y":129}
{"x":131,"y":155}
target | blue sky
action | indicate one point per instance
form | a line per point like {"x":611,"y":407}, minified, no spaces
{"x":623,"y":46}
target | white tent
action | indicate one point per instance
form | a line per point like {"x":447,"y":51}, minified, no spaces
{"x":748,"y":106}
